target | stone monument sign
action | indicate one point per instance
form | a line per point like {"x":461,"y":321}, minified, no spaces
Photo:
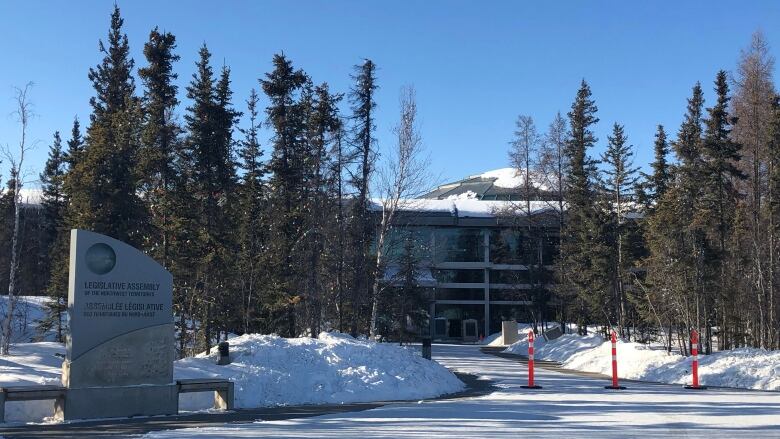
{"x":120,"y":351}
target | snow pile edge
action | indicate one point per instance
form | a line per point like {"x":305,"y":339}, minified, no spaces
{"x":334,"y":368}
{"x":744,"y":368}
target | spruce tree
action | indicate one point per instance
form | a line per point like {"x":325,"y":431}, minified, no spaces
{"x":210,"y":120}
{"x":363,"y":105}
{"x":54,"y":203}
{"x":656,"y":184}
{"x":619,"y":182}
{"x":322,"y":125}
{"x":104,"y":185}
{"x":75,"y":145}
{"x":674,"y":233}
{"x":584,"y":265}
{"x":159,"y":143}
{"x":717,"y":205}
{"x":283,"y":87}
{"x":720,"y":154}
{"x":252,"y":220}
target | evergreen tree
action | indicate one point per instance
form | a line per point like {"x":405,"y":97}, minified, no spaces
{"x":104,"y":185}
{"x":252,"y":222}
{"x":657,"y":183}
{"x":159,"y":143}
{"x":678,"y":271}
{"x":75,"y":146}
{"x":321,"y":126}
{"x":210,"y":120}
{"x":719,"y":199}
{"x":363,"y":104}
{"x":286,"y":202}
{"x":620,"y":179}
{"x":54,"y":203}
{"x":407,"y":306}
{"x":584,"y":265}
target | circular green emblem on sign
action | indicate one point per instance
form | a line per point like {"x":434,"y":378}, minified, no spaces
{"x":100,"y":258}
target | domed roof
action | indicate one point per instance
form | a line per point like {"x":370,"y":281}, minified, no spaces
{"x":499,"y":184}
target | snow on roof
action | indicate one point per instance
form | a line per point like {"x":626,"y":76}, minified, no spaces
{"x":512,"y":178}
{"x":31,"y":195}
{"x":505,"y":177}
{"x":466,"y":207}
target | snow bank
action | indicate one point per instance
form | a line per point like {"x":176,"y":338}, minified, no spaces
{"x":745,"y":368}
{"x":560,"y":349}
{"x":268,"y":370}
{"x":31,"y":364}
{"x":334,"y":368}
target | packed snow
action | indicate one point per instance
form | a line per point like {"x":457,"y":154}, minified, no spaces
{"x":333,"y":368}
{"x":31,"y":364}
{"x":267,"y":370}
{"x":566,"y":407}
{"x":745,"y":368}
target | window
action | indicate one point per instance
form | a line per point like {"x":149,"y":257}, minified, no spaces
{"x":458,"y":245}
{"x":459,"y":276}
{"x":550,"y":246}
{"x":511,"y":277}
{"x":398,"y":236}
{"x":511,"y":246}
{"x":506,"y":247}
{"x":509,"y":294}
{"x":460,"y":294}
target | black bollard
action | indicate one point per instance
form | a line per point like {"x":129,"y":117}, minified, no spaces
{"x":426,"y":348}
{"x":224,"y":353}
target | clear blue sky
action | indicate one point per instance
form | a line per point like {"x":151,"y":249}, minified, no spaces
{"x":476,"y":65}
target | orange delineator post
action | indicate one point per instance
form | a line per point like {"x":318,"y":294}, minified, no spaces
{"x":695,"y":365}
{"x":531,"y":384}
{"x":614,"y":385}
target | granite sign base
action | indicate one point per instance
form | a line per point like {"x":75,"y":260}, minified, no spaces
{"x":118,"y":402}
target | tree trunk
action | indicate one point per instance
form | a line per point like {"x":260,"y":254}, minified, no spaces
{"x":7,"y":324}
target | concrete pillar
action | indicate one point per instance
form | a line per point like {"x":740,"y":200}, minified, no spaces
{"x":509,"y":332}
{"x":426,"y":348}
{"x":486,"y":241}
{"x":223,"y":399}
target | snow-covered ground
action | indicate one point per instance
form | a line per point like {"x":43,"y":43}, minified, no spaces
{"x":31,"y":364}
{"x":267,"y":371}
{"x":742,"y":368}
{"x":334,"y":368}
{"x":567,"y":407}
{"x":28,"y":310}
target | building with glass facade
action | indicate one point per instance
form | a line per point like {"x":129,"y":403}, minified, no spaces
{"x":475,"y":257}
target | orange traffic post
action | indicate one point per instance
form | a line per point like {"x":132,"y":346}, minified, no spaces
{"x":614,"y":385}
{"x":531,"y":384}
{"x":695,"y":363}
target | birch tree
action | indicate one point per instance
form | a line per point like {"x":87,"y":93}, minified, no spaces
{"x":402,"y":178}
{"x":23,"y":114}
